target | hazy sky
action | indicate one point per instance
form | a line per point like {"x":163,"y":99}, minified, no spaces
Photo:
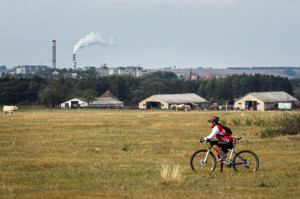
{"x":152,"y":33}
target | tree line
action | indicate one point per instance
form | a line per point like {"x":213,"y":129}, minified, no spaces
{"x":131,"y":90}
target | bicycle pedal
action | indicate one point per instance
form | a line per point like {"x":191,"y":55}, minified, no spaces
{"x":225,"y":162}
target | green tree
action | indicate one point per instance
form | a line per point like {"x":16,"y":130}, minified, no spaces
{"x":89,"y":73}
{"x":89,"y":95}
{"x":296,"y":87}
{"x":52,"y":94}
{"x":161,"y":75}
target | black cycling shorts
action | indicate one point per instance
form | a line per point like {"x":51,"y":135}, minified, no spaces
{"x":223,"y":145}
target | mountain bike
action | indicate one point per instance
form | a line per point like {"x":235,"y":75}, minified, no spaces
{"x":243,"y":161}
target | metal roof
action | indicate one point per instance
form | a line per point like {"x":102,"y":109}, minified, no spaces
{"x":108,"y":94}
{"x":278,"y":96}
{"x":181,"y":98}
{"x":76,"y":99}
{"x":106,"y":100}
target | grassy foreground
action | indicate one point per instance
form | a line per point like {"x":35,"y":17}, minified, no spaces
{"x":128,"y":154}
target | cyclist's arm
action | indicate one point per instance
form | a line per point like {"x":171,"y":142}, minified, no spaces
{"x":212,"y":134}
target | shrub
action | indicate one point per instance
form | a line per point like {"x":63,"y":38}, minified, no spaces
{"x":287,"y":125}
{"x":270,"y":132}
{"x":248,"y":122}
{"x":236,"y":121}
{"x":126,"y":147}
{"x":259,"y":122}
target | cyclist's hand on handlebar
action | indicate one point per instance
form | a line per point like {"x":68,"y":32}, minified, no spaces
{"x":201,"y":140}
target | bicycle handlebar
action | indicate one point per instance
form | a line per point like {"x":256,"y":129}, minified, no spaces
{"x":201,"y":140}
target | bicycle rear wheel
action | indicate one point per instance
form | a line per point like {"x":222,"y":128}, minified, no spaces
{"x":199,"y":165}
{"x":245,"y":161}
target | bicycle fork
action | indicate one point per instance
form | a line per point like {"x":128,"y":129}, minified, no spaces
{"x":205,"y":159}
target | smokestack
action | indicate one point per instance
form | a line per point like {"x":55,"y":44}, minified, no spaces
{"x":74,"y":61}
{"x":53,"y":54}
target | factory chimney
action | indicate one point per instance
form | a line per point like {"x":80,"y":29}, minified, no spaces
{"x":74,"y":61}
{"x":53,"y":54}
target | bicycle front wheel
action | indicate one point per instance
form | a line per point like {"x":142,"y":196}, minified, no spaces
{"x":202,"y":161}
{"x":245,"y":161}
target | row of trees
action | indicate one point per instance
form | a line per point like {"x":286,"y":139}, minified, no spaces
{"x":131,"y":90}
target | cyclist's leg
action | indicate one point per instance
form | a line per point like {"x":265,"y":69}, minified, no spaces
{"x":221,"y":164}
{"x":215,"y":146}
{"x":224,"y":147}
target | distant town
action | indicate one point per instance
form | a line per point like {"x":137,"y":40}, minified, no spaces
{"x":199,"y":73}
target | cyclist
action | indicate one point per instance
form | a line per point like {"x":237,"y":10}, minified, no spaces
{"x":224,"y":139}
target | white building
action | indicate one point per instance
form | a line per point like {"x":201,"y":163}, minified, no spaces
{"x":121,"y":71}
{"x":75,"y":103}
{"x":102,"y":71}
{"x":26,"y":69}
{"x":113,"y":71}
{"x":134,"y":71}
{"x":141,"y":72}
{"x":264,"y":101}
{"x":55,"y":73}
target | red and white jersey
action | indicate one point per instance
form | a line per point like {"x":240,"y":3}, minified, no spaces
{"x":220,"y":134}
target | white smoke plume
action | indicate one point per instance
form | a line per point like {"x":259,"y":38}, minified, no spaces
{"x":92,"y":39}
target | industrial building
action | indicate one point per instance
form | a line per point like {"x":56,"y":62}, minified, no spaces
{"x":164,"y":101}
{"x":265,"y":101}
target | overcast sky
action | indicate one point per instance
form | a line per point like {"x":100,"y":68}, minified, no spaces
{"x":152,"y":33}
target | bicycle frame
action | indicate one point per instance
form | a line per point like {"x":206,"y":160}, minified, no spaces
{"x":229,"y":163}
{"x":230,"y":158}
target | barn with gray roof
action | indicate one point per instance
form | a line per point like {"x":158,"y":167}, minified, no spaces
{"x":265,"y":101}
{"x":106,"y":102}
{"x":164,"y":101}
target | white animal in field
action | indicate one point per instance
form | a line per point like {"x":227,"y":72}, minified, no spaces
{"x":187,"y":107}
{"x":181,"y":107}
{"x":9,"y":109}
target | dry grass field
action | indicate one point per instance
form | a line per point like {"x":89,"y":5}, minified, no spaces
{"x":137,"y":154}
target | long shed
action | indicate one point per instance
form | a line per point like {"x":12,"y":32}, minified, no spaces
{"x":106,"y":102}
{"x":164,"y":101}
{"x":264,"y":101}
